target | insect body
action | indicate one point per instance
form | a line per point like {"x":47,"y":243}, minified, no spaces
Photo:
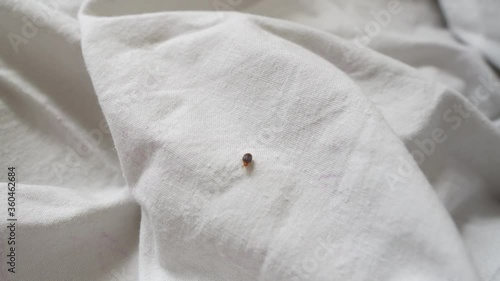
{"x":247,"y":159}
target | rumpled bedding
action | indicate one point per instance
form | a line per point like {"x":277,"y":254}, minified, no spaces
{"x":374,"y":128}
{"x":475,"y":22}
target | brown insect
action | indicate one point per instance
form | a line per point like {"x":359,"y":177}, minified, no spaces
{"x":247,"y":159}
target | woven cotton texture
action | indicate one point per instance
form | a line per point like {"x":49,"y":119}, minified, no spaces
{"x":373,"y":162}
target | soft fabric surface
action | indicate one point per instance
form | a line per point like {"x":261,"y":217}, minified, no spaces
{"x":374,"y":133}
{"x":476,"y":23}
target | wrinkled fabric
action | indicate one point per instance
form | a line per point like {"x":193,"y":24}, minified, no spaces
{"x":374,"y":135}
{"x":476,"y":23}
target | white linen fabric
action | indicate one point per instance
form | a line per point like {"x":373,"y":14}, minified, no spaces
{"x":374,"y":133}
{"x":476,"y":23}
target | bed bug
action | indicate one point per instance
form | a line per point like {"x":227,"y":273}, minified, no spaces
{"x":247,"y":158}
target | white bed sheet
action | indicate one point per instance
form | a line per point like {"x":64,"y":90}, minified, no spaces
{"x":375,"y":137}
